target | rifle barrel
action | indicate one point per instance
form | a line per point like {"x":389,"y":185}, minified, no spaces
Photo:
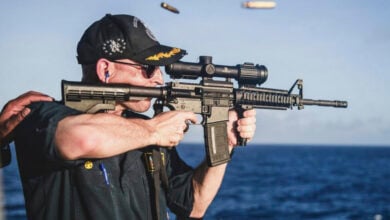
{"x":335,"y":103}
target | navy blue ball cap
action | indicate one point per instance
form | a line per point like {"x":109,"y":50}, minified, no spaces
{"x":124,"y":37}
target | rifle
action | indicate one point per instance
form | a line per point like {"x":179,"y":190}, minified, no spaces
{"x":210,"y":97}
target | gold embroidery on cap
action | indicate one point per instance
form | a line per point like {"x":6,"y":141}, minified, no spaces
{"x":88,"y":165}
{"x":160,"y":55}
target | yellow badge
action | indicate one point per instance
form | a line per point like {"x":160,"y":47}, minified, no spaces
{"x":88,"y":165}
{"x":160,"y":55}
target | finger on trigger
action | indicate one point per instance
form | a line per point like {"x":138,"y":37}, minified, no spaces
{"x":192,"y":118}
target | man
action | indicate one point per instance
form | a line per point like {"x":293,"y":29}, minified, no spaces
{"x":11,"y":115}
{"x":117,"y":164}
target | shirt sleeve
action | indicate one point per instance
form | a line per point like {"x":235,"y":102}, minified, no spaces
{"x":180,"y":196}
{"x":35,"y":136}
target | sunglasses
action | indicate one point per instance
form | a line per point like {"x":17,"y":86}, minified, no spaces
{"x":149,"y":69}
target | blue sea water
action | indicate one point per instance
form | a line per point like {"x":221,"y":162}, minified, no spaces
{"x":282,"y":182}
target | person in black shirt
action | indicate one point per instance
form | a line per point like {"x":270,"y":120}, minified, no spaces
{"x":117,"y":164}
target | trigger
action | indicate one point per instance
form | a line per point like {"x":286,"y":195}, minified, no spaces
{"x":188,"y":123}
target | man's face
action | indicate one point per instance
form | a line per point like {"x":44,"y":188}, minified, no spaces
{"x":126,"y":71}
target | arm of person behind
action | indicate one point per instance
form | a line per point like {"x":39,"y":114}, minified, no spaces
{"x":16,"y":110}
{"x":12,"y":114}
{"x":207,"y":180}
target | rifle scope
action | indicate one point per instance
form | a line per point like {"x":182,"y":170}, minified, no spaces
{"x":245,"y":74}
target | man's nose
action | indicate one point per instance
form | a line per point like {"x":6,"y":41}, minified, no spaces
{"x":158,"y":76}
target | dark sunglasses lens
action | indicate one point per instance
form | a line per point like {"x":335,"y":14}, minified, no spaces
{"x":150,"y":70}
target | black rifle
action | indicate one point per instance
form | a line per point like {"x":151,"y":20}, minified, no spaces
{"x":210,"y":97}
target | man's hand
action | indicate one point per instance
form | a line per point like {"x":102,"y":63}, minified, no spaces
{"x":244,"y":127}
{"x":169,"y":127}
{"x":15,"y":111}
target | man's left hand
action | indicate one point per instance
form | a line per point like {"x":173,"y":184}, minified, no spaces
{"x":244,"y":127}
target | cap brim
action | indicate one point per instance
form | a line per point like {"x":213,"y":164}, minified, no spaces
{"x":159,"y":55}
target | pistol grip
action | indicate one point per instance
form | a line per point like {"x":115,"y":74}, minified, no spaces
{"x":216,"y":141}
{"x":240,"y":112}
{"x":241,"y":141}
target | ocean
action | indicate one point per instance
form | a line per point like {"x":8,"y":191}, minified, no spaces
{"x":281,"y":182}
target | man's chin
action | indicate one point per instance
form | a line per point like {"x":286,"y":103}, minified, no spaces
{"x":140,"y":106}
{"x":137,"y":105}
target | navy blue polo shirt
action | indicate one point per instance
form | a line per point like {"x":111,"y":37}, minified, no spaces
{"x":118,"y":187}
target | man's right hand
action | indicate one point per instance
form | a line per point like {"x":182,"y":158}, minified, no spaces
{"x":169,"y":127}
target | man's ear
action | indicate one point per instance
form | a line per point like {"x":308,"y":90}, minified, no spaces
{"x":103,"y":70}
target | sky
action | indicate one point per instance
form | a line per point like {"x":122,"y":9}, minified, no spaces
{"x":339,"y":48}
